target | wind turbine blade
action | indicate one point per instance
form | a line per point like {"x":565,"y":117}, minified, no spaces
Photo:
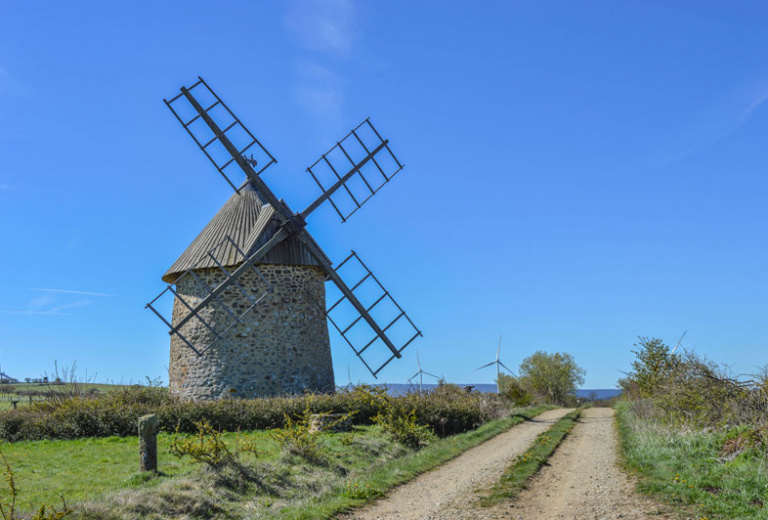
{"x":418,"y":362}
{"x":486,"y":365}
{"x":498,"y":349}
{"x":507,"y":368}
{"x":678,"y":342}
{"x":414,"y":376}
{"x":433,"y":375}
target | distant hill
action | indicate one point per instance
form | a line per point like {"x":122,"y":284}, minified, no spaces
{"x":582,"y":393}
{"x":600,"y":393}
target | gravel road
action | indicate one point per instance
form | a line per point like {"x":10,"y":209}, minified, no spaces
{"x":581,"y":482}
{"x":450,"y":487}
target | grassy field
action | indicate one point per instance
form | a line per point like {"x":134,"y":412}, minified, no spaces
{"x":25,"y":393}
{"x":690,"y":468}
{"x":353,"y":469}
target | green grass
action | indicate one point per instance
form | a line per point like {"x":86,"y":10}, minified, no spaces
{"x":103,"y":474}
{"x":84,"y":469}
{"x":686,"y":469}
{"x":526,"y":465}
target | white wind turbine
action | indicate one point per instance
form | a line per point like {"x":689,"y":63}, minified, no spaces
{"x":420,"y":373}
{"x":498,"y":364}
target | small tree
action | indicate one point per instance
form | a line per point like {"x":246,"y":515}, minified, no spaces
{"x":511,"y":389}
{"x":653,"y":365}
{"x":551,"y":377}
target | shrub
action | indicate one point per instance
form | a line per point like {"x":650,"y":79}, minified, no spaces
{"x":298,"y":438}
{"x":447,"y":410}
{"x":206,"y":447}
{"x":552,"y":378}
{"x":403,"y":428}
{"x":511,"y":390}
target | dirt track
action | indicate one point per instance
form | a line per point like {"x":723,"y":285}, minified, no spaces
{"x":450,"y":486}
{"x":581,"y":482}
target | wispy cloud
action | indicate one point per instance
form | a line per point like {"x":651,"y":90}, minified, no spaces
{"x":319,"y":91}
{"x":35,"y":304}
{"x":719,"y":120}
{"x":73,"y":305}
{"x":323,"y":25}
{"x":44,"y":313}
{"x":54,"y":301}
{"x":758,"y":100}
{"x":67,"y":291}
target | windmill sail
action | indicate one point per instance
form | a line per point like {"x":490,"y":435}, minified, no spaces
{"x":361,"y":163}
{"x":375,"y":344}
{"x":217,"y":131}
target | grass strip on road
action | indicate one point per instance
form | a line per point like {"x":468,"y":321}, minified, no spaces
{"x":528,"y":464}
{"x":688,"y":469}
{"x":359,"y":491}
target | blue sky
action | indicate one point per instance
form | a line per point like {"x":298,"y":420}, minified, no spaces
{"x":577,"y":174}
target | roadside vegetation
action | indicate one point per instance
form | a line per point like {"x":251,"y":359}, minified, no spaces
{"x":74,"y":453}
{"x":237,"y":458}
{"x":697,"y":437}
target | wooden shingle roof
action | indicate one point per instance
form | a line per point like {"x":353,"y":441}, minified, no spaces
{"x":250,"y":223}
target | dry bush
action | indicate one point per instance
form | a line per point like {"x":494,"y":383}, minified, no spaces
{"x":700,"y":392}
{"x":689,"y":389}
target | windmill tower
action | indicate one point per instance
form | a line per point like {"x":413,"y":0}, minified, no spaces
{"x":249,"y":301}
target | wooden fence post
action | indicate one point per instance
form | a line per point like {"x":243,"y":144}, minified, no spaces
{"x":148,"y":442}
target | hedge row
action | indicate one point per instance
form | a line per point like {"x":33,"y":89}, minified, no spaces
{"x":447,"y":410}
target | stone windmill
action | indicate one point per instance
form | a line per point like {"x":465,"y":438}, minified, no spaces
{"x":249,"y":302}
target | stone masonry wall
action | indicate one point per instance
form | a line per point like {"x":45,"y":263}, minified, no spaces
{"x":280,"y":347}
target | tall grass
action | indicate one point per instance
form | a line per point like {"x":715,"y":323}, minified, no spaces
{"x":692,"y":467}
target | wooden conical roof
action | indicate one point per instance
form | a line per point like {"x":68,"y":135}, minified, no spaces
{"x":250,"y":223}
